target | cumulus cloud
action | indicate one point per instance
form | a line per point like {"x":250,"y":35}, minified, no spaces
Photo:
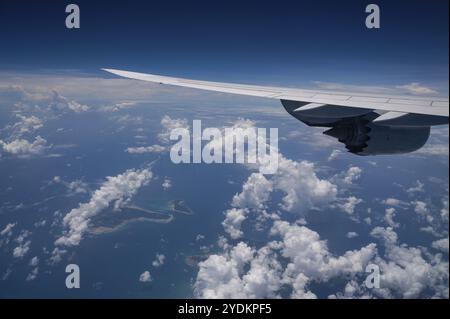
{"x":25,"y":125}
{"x":145,"y":277}
{"x":233,"y":221}
{"x":244,"y":272}
{"x":7,"y":231}
{"x":334,"y":155}
{"x":21,"y":250}
{"x":23,"y":148}
{"x":417,"y":89}
{"x":34,"y":261}
{"x":159,"y":260}
{"x":33,"y":274}
{"x":351,"y":234}
{"x":115,"y":190}
{"x":418,"y":188}
{"x":77,"y":187}
{"x":309,"y":255}
{"x":350,"y":205}
{"x":73,"y":187}
{"x":445,"y":209}
{"x":59,"y":102}
{"x":255,"y":192}
{"x":389,"y":217}
{"x":302,"y":187}
{"x":57,"y":255}
{"x":388,"y":235}
{"x":392,"y":202}
{"x":352,"y":175}
{"x":441,"y":244}
{"x":406,"y":272}
{"x":167,"y":183}
{"x":168,"y":125}
{"x":224,"y":276}
{"x":118,"y":106}
{"x":422,"y":210}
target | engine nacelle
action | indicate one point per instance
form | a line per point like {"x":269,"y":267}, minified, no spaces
{"x":371,"y":139}
{"x":359,"y":131}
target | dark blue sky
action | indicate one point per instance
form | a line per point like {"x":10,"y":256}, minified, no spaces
{"x":276,"y":41}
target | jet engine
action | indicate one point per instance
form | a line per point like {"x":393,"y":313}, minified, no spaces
{"x":360,"y":131}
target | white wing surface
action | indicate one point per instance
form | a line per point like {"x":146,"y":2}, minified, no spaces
{"x":313,"y":99}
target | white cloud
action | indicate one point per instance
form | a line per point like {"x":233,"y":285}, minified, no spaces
{"x":24,"y":234}
{"x":388,"y":235}
{"x":115,"y":190}
{"x":441,"y":244}
{"x":309,"y":254}
{"x":118,"y":106}
{"x":352,"y":175}
{"x":351,"y":234}
{"x":298,"y":181}
{"x":445,"y":209}
{"x":7,"y":231}
{"x":74,"y":187}
{"x":169,"y":124}
{"x":145,"y":277}
{"x":404,"y":270}
{"x":21,"y":250}
{"x":146,"y":149}
{"x":60,"y":102}
{"x":350,"y":205}
{"x":77,"y":187}
{"x":26,"y":125}
{"x":225,"y":276}
{"x":408,"y":274}
{"x":418,"y":188}
{"x":255,"y":193}
{"x":422,"y":210}
{"x":302,"y":188}
{"x":434,"y":150}
{"x":24,"y":148}
{"x":167,"y":184}
{"x":417,"y":89}
{"x":243,"y":272}
{"x":159,"y":260}
{"x":34,"y":261}
{"x":33,"y":274}
{"x":233,"y":221}
{"x":56,"y":255}
{"x":334,"y":155}
{"x":392,"y":202}
{"x":389,"y":217}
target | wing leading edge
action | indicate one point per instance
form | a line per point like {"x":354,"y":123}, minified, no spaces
{"x":312,"y":99}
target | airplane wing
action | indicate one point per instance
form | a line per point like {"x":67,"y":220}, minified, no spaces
{"x":391,"y":108}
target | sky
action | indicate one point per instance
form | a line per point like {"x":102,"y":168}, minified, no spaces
{"x":81,"y":150}
{"x":287,"y":42}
